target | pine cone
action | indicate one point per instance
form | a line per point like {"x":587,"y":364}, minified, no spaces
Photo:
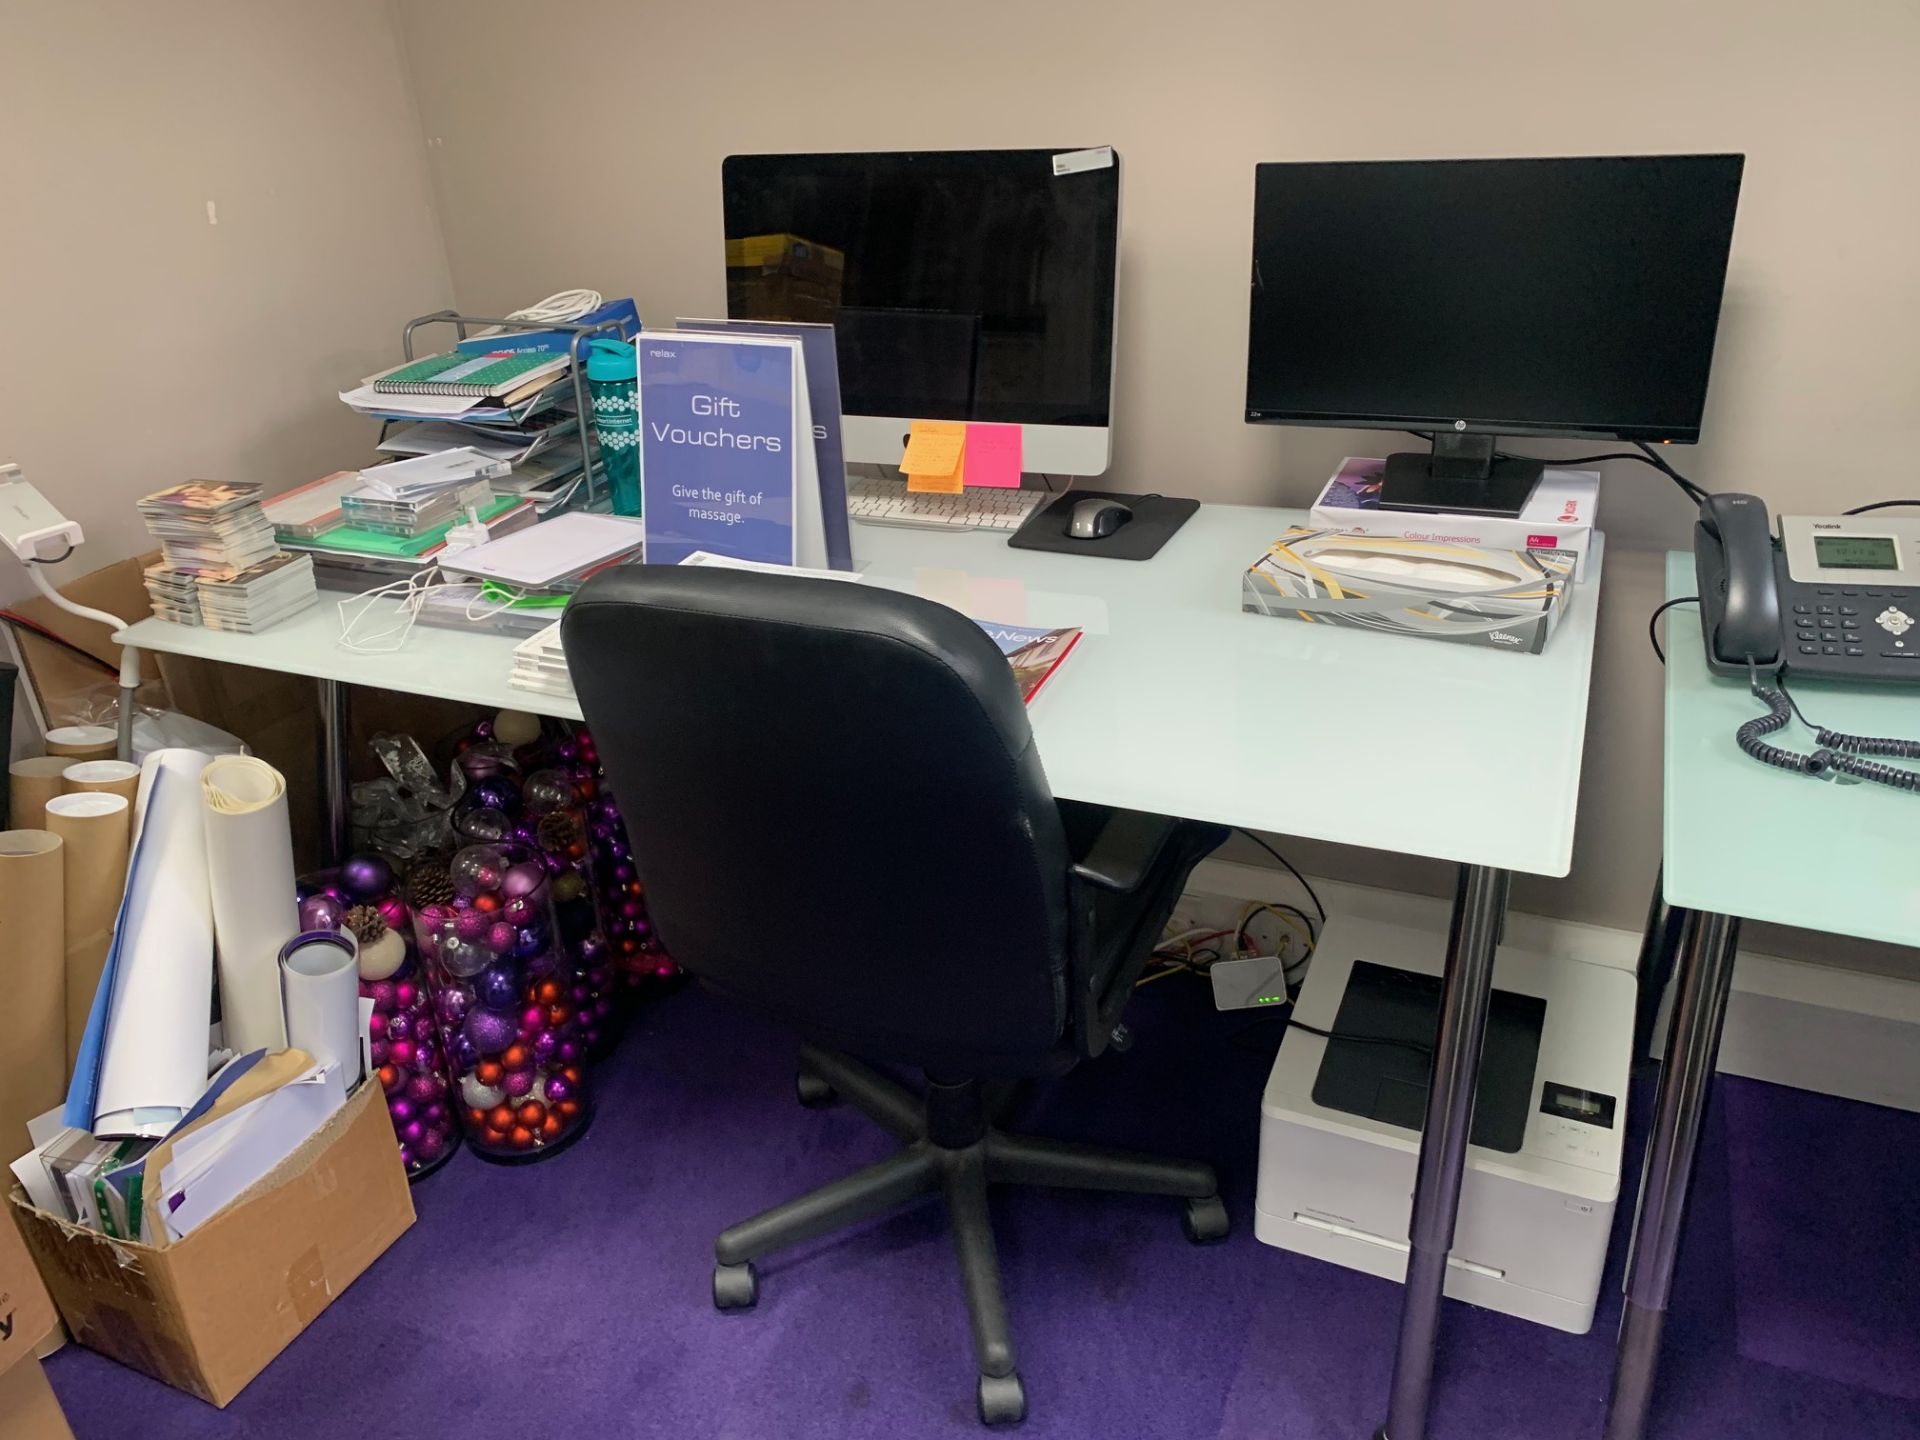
{"x":429,"y":885}
{"x":557,"y":831}
{"x":366,"y":923}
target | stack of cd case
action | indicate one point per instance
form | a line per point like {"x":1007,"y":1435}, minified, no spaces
{"x":411,"y":517}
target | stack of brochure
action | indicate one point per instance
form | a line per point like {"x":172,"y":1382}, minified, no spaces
{"x":221,"y":564}
{"x":210,"y":527}
{"x":540,"y":665}
{"x":257,"y":599}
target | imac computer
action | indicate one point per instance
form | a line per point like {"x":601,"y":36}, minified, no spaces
{"x":1470,"y":299}
{"x":962,"y":285}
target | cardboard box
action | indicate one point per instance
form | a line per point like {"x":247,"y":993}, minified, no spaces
{"x":1469,"y":595}
{"x":1558,"y":515}
{"x":28,"y":1409}
{"x":208,"y":1313}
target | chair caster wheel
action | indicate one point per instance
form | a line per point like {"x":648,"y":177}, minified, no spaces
{"x":1002,"y":1400}
{"x":813,"y":1092}
{"x":735,"y":1287}
{"x":1206,"y":1221}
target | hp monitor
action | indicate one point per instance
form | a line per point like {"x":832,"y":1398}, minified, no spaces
{"x":1469,"y":299}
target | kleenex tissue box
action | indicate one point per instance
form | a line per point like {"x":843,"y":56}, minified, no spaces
{"x":1469,"y":594}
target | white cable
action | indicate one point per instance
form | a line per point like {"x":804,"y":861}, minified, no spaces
{"x":356,"y":609}
{"x":559,"y":308}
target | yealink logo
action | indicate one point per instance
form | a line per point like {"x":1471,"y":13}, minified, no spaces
{"x":1501,"y":637}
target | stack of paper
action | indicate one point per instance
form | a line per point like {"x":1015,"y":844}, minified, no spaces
{"x":540,"y":665}
{"x":257,"y":599}
{"x":557,"y":554}
{"x":210,"y":527}
{"x":430,"y":474}
{"x":431,"y":437}
{"x":173,"y":592}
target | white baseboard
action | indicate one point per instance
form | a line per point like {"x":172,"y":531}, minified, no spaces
{"x":1814,"y":1027}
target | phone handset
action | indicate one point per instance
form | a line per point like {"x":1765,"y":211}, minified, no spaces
{"x":1739,"y":593}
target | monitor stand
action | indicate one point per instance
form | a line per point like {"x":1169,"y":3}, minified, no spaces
{"x":1462,"y":476}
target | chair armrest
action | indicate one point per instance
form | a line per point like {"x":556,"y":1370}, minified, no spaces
{"x":1125,"y":851}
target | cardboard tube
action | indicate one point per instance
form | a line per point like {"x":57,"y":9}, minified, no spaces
{"x":320,"y":984}
{"x":33,"y":978}
{"x":108,"y":777}
{"x":94,"y":829}
{"x":83,"y":742}
{"x":35,"y":782}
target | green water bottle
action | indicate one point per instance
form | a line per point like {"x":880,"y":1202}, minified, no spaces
{"x":614,"y":391}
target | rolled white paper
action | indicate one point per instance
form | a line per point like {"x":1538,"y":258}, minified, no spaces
{"x":320,"y":980}
{"x":250,"y":880}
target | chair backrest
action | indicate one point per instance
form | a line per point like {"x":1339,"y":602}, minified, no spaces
{"x":835,"y":804}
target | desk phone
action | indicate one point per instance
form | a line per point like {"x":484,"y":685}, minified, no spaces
{"x":1834,"y":595}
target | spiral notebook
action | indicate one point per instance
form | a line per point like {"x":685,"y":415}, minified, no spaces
{"x":479,"y":376}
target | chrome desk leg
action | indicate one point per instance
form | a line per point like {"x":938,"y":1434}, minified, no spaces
{"x":1479,"y":911}
{"x":1707,"y":946}
{"x":334,"y":771}
{"x":1659,"y":943}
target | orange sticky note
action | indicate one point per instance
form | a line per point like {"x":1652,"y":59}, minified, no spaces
{"x":934,"y":447}
{"x":993,"y":456}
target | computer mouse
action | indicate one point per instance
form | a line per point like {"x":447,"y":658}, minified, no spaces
{"x":1098,"y":518}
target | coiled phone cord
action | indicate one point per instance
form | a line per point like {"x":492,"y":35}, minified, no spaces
{"x":1830,"y":757}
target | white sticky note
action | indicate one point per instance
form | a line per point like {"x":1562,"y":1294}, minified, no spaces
{"x":1072,"y":162}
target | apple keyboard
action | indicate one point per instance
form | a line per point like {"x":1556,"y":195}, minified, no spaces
{"x":889,"y":502}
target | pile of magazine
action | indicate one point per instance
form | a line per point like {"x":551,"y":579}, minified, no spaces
{"x":539,"y":664}
{"x":221,"y":566}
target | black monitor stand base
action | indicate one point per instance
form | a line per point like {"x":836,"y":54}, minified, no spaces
{"x":1460,"y":477}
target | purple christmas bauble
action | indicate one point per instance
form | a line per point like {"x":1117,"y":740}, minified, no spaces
{"x":530,"y":942}
{"x":465,"y":1053}
{"x":501,"y":937}
{"x":400,"y":1026}
{"x":569,"y":1052}
{"x":405,"y":992}
{"x":424,"y":1088}
{"x":432,"y":1146}
{"x":454,"y":1001}
{"x":559,"y":1088}
{"x":527,"y":833}
{"x":378,"y":1049}
{"x":366,"y":877}
{"x":436,"y":1113}
{"x":472,"y":925}
{"x":518,"y":1084}
{"x":497,"y":988}
{"x":519,"y":910}
{"x":523,"y":879}
{"x":489,"y":1031}
{"x":401,"y":1108}
{"x":546,"y":1045}
{"x":496,"y":792}
{"x":321,"y":912}
{"x":377,"y":1026}
{"x":382,"y":993}
{"x":394,"y":911}
{"x":413,"y":1132}
{"x":400,"y":1052}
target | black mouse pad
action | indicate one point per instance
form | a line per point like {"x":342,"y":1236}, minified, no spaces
{"x":1388,"y":1082}
{"x":1155,"y":518}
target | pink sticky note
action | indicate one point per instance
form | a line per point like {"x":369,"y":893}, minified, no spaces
{"x":993,"y":456}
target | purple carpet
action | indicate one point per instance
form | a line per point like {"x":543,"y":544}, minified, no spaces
{"x":571,"y":1297}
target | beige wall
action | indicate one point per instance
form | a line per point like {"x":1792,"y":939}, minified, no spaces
{"x":141,"y":344}
{"x":1816,"y":393}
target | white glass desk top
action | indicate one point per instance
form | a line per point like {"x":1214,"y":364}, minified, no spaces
{"x":1748,"y":840}
{"x":1177,"y":702}
{"x":1174,"y":701}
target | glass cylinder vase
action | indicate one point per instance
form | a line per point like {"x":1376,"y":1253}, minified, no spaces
{"x":508,"y":1023}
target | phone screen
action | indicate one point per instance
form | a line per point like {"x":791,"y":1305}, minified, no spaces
{"x":1856,"y":552}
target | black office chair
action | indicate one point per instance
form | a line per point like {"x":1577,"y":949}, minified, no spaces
{"x":840,"y":819}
